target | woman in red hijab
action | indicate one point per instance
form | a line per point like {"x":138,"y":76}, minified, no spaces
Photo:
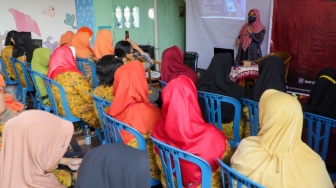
{"x":183,"y":127}
{"x":250,"y":38}
{"x":132,"y":107}
{"x":172,"y":65}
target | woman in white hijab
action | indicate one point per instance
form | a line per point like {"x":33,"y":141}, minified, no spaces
{"x":277,"y":157}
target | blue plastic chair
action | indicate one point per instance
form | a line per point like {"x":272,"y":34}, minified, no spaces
{"x":8,"y":81}
{"x":100,"y":106}
{"x":233,"y":179}
{"x":319,"y":133}
{"x":253,"y":115}
{"x":81,"y":67}
{"x":170,"y":159}
{"x":214,"y":112}
{"x":40,"y":105}
{"x":112,"y":130}
{"x":68,"y":116}
{"x":163,"y":84}
{"x":24,"y":90}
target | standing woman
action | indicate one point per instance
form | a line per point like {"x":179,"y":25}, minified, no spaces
{"x":63,"y":69}
{"x":182,"y":126}
{"x":132,"y":107}
{"x":250,"y":38}
{"x":8,"y":52}
{"x":103,"y":44}
{"x":172,"y":65}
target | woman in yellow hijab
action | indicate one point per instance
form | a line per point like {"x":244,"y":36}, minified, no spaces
{"x":277,"y":157}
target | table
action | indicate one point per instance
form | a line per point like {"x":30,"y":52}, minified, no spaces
{"x":241,"y":73}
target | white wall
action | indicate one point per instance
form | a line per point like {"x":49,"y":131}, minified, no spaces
{"x":50,"y":23}
{"x":202,"y":35}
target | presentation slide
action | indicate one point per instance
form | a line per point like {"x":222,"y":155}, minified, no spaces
{"x":231,"y":9}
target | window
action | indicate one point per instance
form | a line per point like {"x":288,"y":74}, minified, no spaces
{"x":126,"y":17}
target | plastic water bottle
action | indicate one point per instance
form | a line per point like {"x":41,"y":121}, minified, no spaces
{"x":87,"y":135}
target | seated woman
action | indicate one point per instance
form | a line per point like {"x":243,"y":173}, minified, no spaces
{"x":63,"y":69}
{"x":277,"y":157}
{"x":172,"y":65}
{"x":66,"y":39}
{"x":271,"y":76}
{"x":125,"y":51}
{"x":322,"y":101}
{"x":216,"y":80}
{"x":132,"y":107}
{"x":106,"y":68}
{"x":183,"y":127}
{"x":22,"y":40}
{"x":34,"y":143}
{"x":114,"y":158}
{"x":7,"y":52}
{"x":103,"y":44}
{"x":40,"y":64}
{"x":81,"y":42}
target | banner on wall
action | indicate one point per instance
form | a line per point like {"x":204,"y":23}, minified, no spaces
{"x":306,"y":29}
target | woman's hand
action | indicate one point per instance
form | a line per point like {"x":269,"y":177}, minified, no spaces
{"x":72,"y":163}
{"x":249,"y":30}
{"x":135,"y":46}
{"x":237,"y":42}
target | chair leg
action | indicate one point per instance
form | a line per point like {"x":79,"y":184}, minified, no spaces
{"x":24,"y":96}
{"x":99,"y":131}
{"x":32,"y":96}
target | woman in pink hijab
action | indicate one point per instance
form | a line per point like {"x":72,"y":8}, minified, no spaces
{"x":250,"y":38}
{"x":34,"y":143}
{"x":172,"y":65}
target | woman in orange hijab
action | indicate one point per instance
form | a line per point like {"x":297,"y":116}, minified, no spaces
{"x":81,"y":41}
{"x":103,"y":44}
{"x":183,"y":127}
{"x":66,"y":38}
{"x":132,"y":107}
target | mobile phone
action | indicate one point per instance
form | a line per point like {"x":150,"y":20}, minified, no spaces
{"x":126,"y":35}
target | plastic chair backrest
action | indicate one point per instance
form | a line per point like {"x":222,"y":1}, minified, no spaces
{"x":232,"y":178}
{"x":8,"y":81}
{"x":253,"y":113}
{"x":170,"y":158}
{"x":113,"y":127}
{"x":81,"y":67}
{"x":34,"y":75}
{"x":18,"y":63}
{"x":100,"y":106}
{"x":319,"y":132}
{"x":214,"y":112}
{"x":68,"y":116}
{"x":163,"y":84}
{"x":191,"y":60}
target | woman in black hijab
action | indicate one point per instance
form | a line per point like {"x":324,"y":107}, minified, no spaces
{"x":21,"y":42}
{"x":322,"y":101}
{"x":114,"y":166}
{"x":216,"y":80}
{"x":271,"y":76}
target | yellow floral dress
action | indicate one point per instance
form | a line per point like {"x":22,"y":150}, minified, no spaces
{"x":64,"y":177}
{"x":155,"y":170}
{"x":78,"y":96}
{"x":216,"y":181}
{"x":5,"y":54}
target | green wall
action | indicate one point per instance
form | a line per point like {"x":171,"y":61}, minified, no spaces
{"x":171,"y":27}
